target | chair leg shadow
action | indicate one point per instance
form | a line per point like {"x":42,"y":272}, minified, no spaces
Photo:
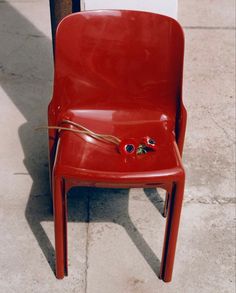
{"x":141,"y":244}
{"x":35,"y":213}
{"x":111,"y":205}
{"x":154,"y":196}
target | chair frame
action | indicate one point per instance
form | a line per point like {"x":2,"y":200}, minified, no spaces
{"x":174,"y":186}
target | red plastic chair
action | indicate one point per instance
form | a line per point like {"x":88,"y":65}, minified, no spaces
{"x":120,"y":73}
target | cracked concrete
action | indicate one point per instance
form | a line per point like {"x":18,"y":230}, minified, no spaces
{"x":115,"y":236}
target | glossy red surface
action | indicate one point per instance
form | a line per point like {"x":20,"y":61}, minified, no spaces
{"x":120,"y":73}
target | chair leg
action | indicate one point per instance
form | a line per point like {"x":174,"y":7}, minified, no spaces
{"x":171,"y":232}
{"x":60,"y":226}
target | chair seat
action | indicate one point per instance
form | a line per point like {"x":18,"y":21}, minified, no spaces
{"x":96,"y":162}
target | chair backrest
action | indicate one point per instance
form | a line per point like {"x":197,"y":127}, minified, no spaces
{"x":111,"y":59}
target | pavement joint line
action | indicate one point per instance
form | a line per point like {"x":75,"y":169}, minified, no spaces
{"x":195,"y":200}
{"x":210,"y":27}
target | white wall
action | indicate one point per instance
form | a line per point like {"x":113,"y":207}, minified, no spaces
{"x":166,"y":7}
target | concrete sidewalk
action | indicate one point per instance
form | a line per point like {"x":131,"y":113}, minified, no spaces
{"x":115,"y":236}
